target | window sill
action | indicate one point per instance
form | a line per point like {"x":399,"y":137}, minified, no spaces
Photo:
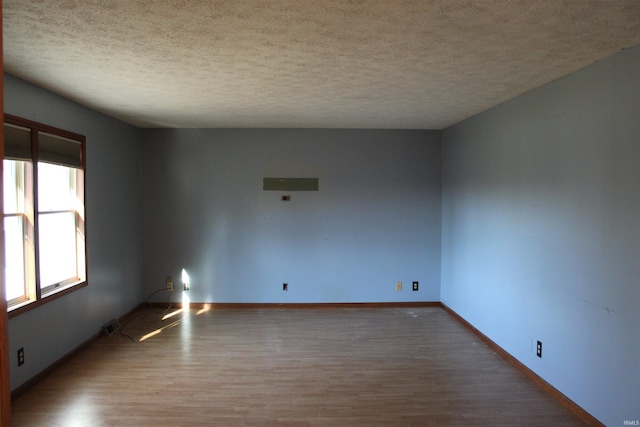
{"x":52,"y":295}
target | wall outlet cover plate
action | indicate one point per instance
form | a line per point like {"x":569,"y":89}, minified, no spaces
{"x":111,"y":327}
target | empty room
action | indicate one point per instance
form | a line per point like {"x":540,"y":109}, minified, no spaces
{"x":327,"y":213}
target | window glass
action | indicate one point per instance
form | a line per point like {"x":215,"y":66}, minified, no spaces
{"x":51,"y":228}
{"x":18,"y":226}
{"x":57,"y":248}
{"x":56,"y":187}
{"x":14,"y":259}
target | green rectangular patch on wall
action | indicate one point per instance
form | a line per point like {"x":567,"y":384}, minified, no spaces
{"x":290,"y":184}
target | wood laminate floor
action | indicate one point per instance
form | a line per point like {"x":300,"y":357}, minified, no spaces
{"x":290,"y":367}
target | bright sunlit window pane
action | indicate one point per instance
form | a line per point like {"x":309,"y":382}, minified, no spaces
{"x":14,"y":258}
{"x":57,"y":248}
{"x":57,"y":224}
{"x":16,"y":191}
{"x":10,"y":191}
{"x":56,"y":187}
{"x":16,"y":215}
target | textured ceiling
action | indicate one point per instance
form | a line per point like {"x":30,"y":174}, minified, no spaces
{"x":421,"y":64}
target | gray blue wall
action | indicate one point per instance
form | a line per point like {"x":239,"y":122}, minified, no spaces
{"x":541,"y":232}
{"x":374,"y":221}
{"x":113,"y":246}
{"x":537,"y":232}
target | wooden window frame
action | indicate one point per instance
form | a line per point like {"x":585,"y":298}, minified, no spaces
{"x":64,"y":288}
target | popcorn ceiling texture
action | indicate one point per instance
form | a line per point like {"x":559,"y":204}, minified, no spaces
{"x":422,"y":64}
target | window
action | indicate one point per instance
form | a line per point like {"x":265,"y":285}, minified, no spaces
{"x":43,"y":178}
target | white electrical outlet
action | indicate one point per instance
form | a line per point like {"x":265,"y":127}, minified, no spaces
{"x":169,"y":284}
{"x":398,"y":286}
